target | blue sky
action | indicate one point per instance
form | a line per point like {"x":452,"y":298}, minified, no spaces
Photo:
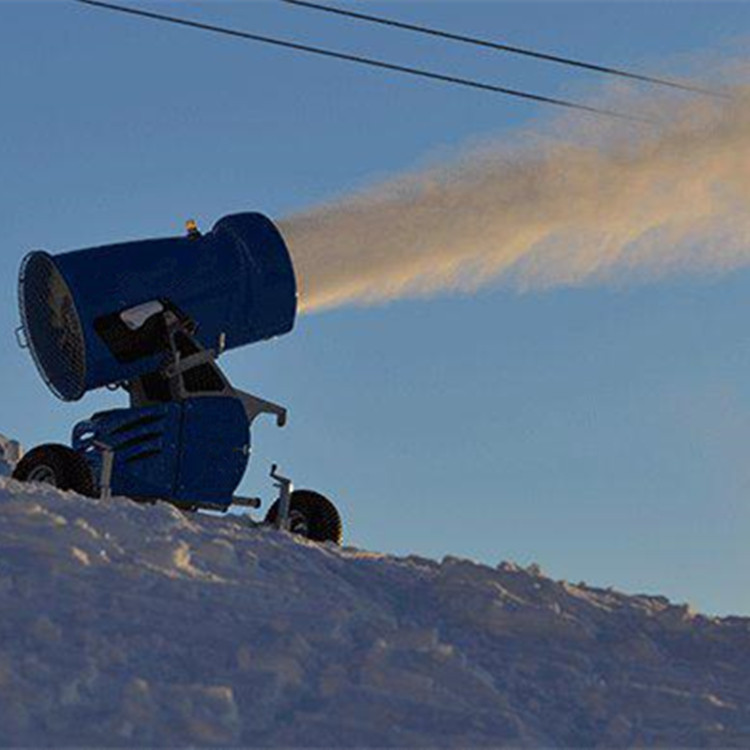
{"x":601,"y":432}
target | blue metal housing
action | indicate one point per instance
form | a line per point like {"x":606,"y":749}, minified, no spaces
{"x":192,"y":452}
{"x":146,"y":445}
{"x":235,"y":284}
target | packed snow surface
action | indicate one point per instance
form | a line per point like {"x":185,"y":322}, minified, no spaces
{"x":129,"y":625}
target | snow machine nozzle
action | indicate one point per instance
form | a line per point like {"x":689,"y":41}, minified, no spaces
{"x":89,"y":316}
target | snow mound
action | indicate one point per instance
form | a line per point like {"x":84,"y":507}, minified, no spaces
{"x":129,"y":625}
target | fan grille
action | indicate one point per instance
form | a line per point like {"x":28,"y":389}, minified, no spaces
{"x":52,"y":326}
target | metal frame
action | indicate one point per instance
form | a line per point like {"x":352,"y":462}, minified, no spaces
{"x":173,"y":370}
{"x":108,"y":464}
{"x":178,"y":365}
{"x":285,"y":487}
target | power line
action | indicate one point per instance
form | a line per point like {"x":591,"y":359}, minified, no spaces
{"x":371,"y":62}
{"x":502,"y":47}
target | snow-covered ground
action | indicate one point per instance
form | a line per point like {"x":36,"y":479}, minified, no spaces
{"x":137,"y":625}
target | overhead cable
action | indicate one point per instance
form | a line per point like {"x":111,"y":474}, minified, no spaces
{"x":359,"y":59}
{"x":503,"y":47}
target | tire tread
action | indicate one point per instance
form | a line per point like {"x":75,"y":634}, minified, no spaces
{"x":323,"y":518}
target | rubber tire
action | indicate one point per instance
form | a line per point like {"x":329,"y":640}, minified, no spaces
{"x":70,"y":469}
{"x":323,"y":520}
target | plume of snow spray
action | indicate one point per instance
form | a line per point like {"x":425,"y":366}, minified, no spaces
{"x":619,"y":202}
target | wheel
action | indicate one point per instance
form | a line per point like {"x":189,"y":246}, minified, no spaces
{"x":311,"y":515}
{"x":59,"y":466}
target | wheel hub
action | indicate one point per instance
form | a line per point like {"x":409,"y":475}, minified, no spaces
{"x":43,"y":475}
{"x":298,"y":523}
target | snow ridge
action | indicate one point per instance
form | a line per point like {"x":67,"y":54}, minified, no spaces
{"x":127,"y":625}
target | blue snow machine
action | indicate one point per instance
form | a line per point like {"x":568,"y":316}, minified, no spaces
{"x":152,"y":317}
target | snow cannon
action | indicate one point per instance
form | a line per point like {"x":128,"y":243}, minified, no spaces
{"x":89,"y":315}
{"x":152,"y":317}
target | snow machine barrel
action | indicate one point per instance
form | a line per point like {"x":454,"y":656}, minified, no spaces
{"x":89,"y":315}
